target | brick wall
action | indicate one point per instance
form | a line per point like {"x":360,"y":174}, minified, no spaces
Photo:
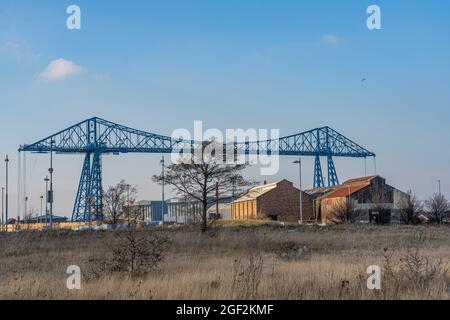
{"x":283,"y":201}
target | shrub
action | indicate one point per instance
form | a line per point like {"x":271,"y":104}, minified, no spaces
{"x":135,"y":253}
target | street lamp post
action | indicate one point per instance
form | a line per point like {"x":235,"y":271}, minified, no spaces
{"x":46,"y":198}
{"x":128,"y":186}
{"x":325,"y":200}
{"x":6,"y":195}
{"x":299,"y":162}
{"x":162,"y":191}
{"x":3,"y":208}
{"x":50,"y":195}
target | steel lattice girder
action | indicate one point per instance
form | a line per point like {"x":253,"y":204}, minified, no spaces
{"x":96,"y":136}
{"x":89,"y":200}
{"x":318,"y":176}
{"x":332,"y":175}
{"x":96,"y":133}
{"x":81,"y":206}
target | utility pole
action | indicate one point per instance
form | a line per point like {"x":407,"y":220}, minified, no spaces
{"x":6,"y":196}
{"x":439,"y":183}
{"x":46,"y":198}
{"x":50,"y":195}
{"x":163,"y":182}
{"x":299,"y":162}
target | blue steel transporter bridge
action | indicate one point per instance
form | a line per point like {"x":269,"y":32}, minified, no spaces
{"x":95,"y":137}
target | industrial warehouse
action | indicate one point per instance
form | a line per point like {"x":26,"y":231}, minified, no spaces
{"x":369,"y":199}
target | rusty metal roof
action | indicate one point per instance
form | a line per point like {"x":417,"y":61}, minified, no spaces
{"x":348,"y":187}
{"x":345,"y":191}
{"x":362,"y":180}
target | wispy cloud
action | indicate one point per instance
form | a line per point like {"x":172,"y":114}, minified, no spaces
{"x":21,"y":50}
{"x":60,"y":69}
{"x":331,"y":39}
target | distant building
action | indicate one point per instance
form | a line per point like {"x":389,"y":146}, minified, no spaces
{"x":279,"y":201}
{"x":224,"y":211}
{"x":150,"y":211}
{"x":370,"y":199}
{"x":45,"y":219}
{"x":185,"y":211}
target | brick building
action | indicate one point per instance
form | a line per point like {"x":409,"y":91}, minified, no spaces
{"x":370,"y":199}
{"x":279,"y":201}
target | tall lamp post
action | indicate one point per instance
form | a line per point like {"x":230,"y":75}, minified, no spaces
{"x":50,"y":194}
{"x":46,"y":198}
{"x":3,"y":208}
{"x":299,"y":162}
{"x":162,"y":191}
{"x":325,"y":200}
{"x":6,"y":195}
{"x":128,"y":186}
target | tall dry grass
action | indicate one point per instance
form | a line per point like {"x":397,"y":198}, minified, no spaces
{"x":256,"y":262}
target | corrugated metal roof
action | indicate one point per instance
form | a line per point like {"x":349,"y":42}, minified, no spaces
{"x":255,"y":192}
{"x":342,"y":190}
{"x":345,"y":190}
{"x":323,"y":190}
{"x":350,"y":187}
{"x":364,"y":180}
{"x":258,"y":191}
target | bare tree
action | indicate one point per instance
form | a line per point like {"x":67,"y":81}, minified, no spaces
{"x":118,"y":203}
{"x":437,"y":206}
{"x":410,"y":207}
{"x":198,"y":175}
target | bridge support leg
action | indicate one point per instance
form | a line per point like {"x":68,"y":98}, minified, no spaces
{"x":332,"y":175}
{"x":81,"y":206}
{"x":96,"y":196}
{"x":318,"y":176}
{"x":89,"y":201}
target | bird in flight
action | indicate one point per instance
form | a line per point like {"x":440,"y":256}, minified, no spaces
{"x":363,"y":79}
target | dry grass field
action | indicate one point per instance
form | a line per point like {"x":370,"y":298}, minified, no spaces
{"x":236,"y":262}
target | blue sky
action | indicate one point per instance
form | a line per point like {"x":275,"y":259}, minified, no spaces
{"x":292,"y":65}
